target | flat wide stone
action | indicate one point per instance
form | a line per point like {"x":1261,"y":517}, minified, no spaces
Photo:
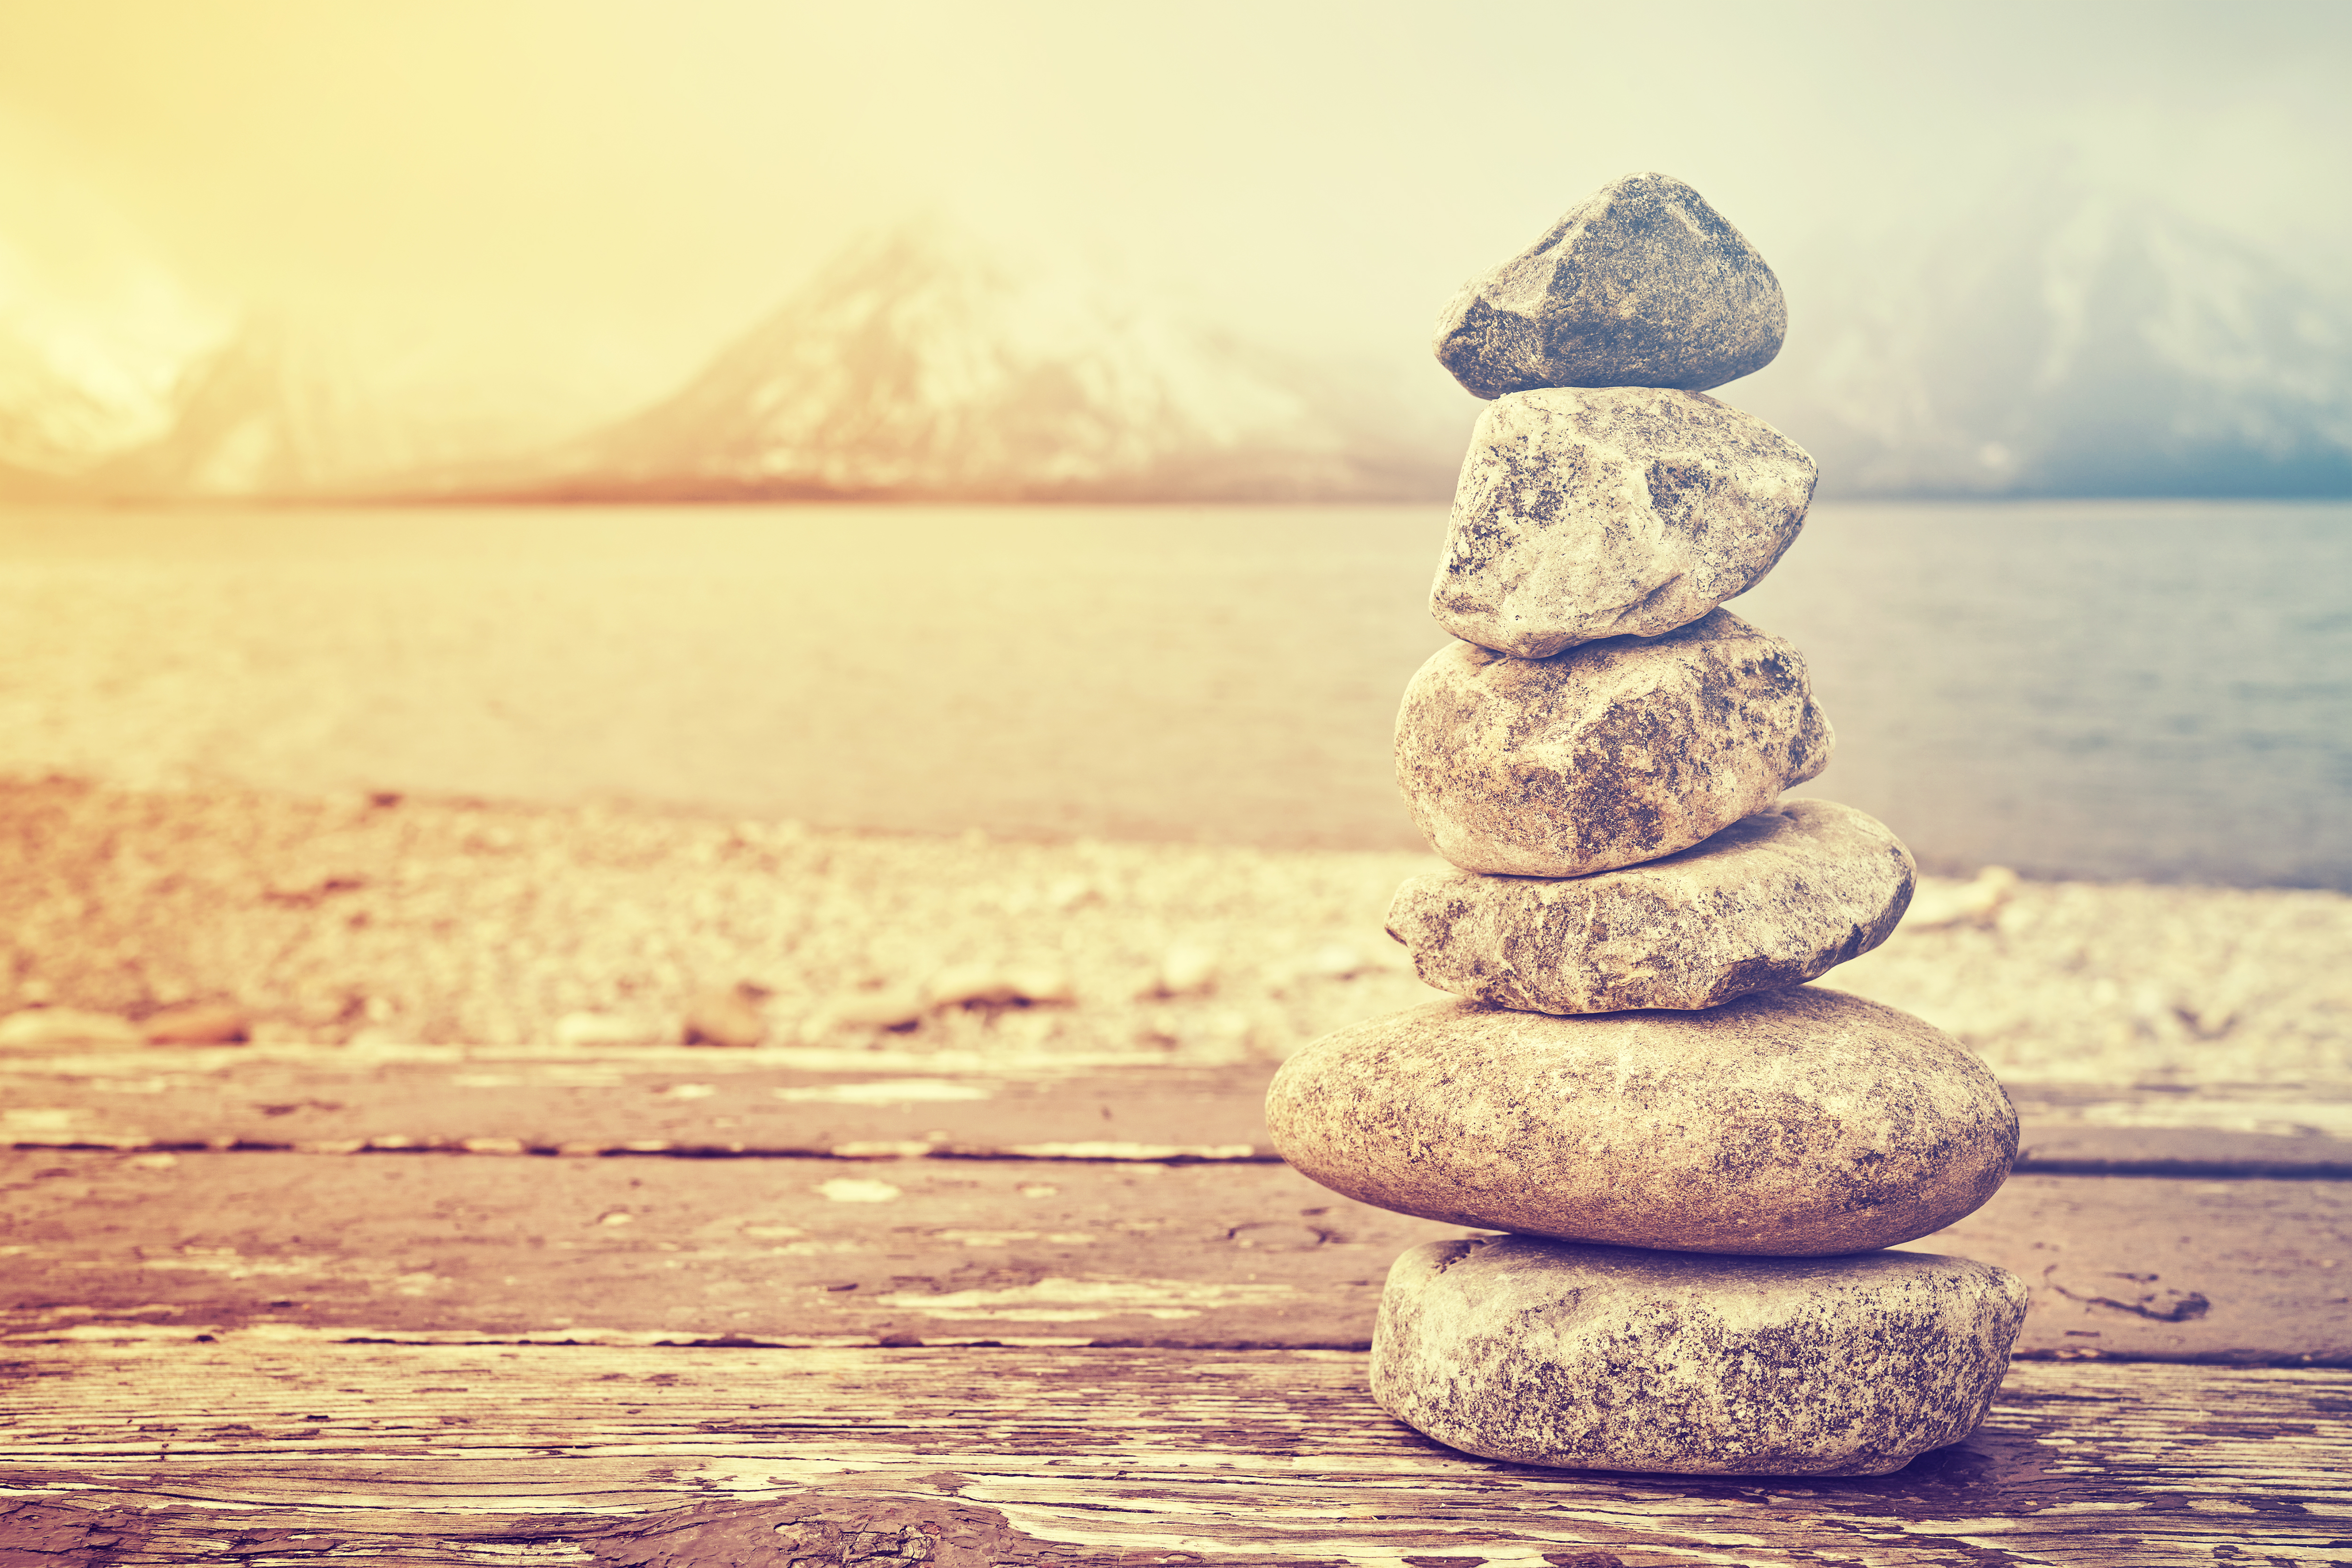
{"x":1628,"y":510}
{"x":1641,"y":284}
{"x":1608,"y":755}
{"x":1545,"y":1353}
{"x":1775,"y":899}
{"x":1796,"y":1124}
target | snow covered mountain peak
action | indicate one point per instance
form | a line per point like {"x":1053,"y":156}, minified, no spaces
{"x":924,"y":361}
{"x":2073,"y":341}
{"x":93,"y":348}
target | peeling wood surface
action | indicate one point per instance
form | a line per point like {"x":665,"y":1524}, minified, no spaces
{"x":475,"y":1455}
{"x":785,"y":1249}
{"x":782,"y":1101}
{"x":242,"y":1328}
{"x":2139,"y":1266}
{"x":827,"y":1252}
{"x":856,"y":1103}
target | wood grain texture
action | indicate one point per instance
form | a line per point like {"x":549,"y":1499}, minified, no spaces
{"x":858,"y":1103}
{"x":787,"y":1101}
{"x":259,"y":1454}
{"x":792,"y":1249}
{"x":408,"y":1245}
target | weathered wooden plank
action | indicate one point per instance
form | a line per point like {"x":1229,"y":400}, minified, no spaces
{"x":476,"y":1455}
{"x":420,"y":1245}
{"x":790,"y":1101}
{"x":856,"y":1103}
{"x":782,"y":1248}
{"x":2203,"y":1130}
{"x":2074,"y":1149}
{"x":2144,"y":1267}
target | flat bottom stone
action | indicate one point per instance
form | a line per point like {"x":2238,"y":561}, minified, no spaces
{"x":1615,"y":1358}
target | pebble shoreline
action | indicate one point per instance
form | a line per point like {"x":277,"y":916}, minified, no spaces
{"x":380,"y":919}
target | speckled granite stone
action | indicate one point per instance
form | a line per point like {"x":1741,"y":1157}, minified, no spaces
{"x":1587,"y":515}
{"x":1774,"y":900}
{"x":1608,"y":755}
{"x":1641,"y":284}
{"x":1795,"y":1123}
{"x":1546,"y":1352}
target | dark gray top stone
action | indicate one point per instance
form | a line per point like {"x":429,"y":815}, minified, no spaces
{"x":1641,"y":284}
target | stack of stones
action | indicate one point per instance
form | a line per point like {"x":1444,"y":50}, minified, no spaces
{"x":1696,"y":1155}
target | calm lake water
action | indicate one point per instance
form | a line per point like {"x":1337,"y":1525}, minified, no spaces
{"x":2102,"y":689}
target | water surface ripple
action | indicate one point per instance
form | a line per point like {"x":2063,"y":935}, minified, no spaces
{"x":2105,"y":689}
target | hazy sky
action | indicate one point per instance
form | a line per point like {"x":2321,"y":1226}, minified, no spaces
{"x":605,"y":192}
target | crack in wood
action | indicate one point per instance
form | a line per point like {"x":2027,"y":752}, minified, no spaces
{"x":584,"y":1456}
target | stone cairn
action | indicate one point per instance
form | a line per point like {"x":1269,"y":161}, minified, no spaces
{"x":1696,"y":1155}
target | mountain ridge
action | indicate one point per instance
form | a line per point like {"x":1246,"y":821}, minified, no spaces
{"x":2064,"y":342}
{"x":919,"y":365}
{"x":2081,"y":344}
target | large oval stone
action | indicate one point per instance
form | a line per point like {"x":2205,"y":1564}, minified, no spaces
{"x":1773,"y":901}
{"x":1608,"y":755}
{"x":1796,"y":1124}
{"x":1622,"y":510}
{"x":1544,"y":1353}
{"x":1640,"y":284}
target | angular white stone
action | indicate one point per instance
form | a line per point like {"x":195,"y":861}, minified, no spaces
{"x":1773,"y":901}
{"x":1629,"y":509}
{"x":1546,"y":1352}
{"x":1608,"y":755}
{"x":1796,"y":1124}
{"x":1640,"y":284}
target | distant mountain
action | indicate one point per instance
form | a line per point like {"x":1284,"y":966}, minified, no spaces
{"x":2061,"y":341}
{"x":2065,"y":343}
{"x":921,"y":365}
{"x":271,"y":413}
{"x":291,"y":409}
{"x":75,"y":392}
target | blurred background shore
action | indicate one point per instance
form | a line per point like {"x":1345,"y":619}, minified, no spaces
{"x":1109,"y":782}
{"x":384,"y":921}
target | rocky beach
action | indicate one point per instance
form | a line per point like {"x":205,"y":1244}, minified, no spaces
{"x":332,"y":920}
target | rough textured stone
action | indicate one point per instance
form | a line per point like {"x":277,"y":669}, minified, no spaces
{"x":1772,"y":900}
{"x":728,"y":1018}
{"x":998,"y":986}
{"x":1641,"y":284}
{"x":202,"y":1024}
{"x":1588,"y":514}
{"x":1545,"y":1353}
{"x":1796,"y":1124}
{"x":1608,"y":755}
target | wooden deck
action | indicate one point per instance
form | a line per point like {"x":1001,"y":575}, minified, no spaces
{"x":440,"y":1305}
